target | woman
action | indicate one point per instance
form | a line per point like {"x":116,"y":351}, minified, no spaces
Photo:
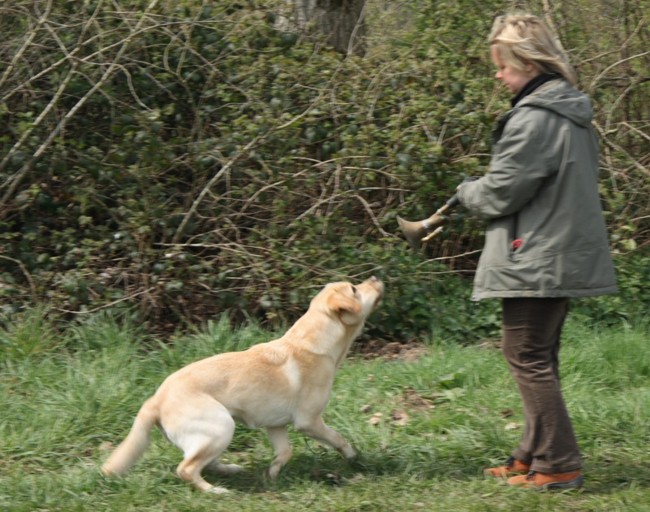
{"x":545,"y":241}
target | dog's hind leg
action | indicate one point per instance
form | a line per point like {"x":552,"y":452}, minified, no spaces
{"x":316,"y":429}
{"x":280,"y":440}
{"x":204,"y":434}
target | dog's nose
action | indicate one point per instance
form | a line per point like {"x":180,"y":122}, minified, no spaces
{"x":376,"y":283}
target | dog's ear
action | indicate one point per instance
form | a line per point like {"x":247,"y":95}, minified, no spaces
{"x":342,"y":301}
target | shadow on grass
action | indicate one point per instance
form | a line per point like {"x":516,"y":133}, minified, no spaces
{"x":327,"y":468}
{"x":330,"y":469}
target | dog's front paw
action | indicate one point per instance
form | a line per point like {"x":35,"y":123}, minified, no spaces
{"x":272,"y":472}
{"x":348,"y":452}
{"x":217,"y":490}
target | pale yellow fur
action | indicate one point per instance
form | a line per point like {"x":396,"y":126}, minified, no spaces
{"x":283,"y":382}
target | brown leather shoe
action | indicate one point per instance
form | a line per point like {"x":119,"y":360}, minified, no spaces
{"x":548,"y":481}
{"x":512,"y":467}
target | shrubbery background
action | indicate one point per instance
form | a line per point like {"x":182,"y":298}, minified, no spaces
{"x":193,"y":161}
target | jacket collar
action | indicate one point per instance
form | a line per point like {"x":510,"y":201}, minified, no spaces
{"x":527,"y":89}
{"x":533,"y":85}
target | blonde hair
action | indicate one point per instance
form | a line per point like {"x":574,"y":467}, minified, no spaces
{"x":522,"y":39}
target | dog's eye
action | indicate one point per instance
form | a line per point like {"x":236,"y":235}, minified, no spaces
{"x":354,"y":290}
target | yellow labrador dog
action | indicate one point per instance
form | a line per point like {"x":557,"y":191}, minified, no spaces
{"x":271,"y":385}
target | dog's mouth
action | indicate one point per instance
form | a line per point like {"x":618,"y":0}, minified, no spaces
{"x":378,"y":286}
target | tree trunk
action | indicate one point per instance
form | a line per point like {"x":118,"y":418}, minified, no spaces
{"x":342,"y":22}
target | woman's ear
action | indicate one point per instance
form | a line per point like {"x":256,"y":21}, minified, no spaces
{"x":531,"y":69}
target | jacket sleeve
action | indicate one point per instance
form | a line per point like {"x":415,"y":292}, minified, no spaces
{"x":522,"y":160}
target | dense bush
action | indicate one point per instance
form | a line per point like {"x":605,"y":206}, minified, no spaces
{"x":192,"y":160}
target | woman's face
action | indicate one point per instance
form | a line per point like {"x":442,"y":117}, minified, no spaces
{"x":514,"y":79}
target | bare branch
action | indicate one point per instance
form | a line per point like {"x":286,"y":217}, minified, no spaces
{"x":28,"y":276}
{"x":26,"y":168}
{"x":372,"y":215}
{"x":617,"y":147}
{"x":30,"y":39}
{"x":199,"y":199}
{"x":600,"y":75}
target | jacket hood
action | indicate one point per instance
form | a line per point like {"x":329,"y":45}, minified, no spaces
{"x":563,"y":99}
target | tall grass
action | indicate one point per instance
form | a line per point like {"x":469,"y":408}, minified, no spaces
{"x":426,"y":427}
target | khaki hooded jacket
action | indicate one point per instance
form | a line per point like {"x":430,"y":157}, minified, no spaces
{"x":546,"y":234}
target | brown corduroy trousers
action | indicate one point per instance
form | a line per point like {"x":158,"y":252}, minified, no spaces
{"x":531,"y":346}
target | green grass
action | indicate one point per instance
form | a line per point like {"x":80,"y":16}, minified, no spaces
{"x":65,"y":397}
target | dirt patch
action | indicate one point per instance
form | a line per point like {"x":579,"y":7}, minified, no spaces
{"x":392,"y":350}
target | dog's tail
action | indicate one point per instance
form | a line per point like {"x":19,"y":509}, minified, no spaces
{"x":135,"y":444}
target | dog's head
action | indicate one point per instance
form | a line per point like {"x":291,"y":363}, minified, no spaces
{"x":351,"y":303}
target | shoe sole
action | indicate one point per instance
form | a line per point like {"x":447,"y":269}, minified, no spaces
{"x":576,"y":483}
{"x":503,"y":476}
